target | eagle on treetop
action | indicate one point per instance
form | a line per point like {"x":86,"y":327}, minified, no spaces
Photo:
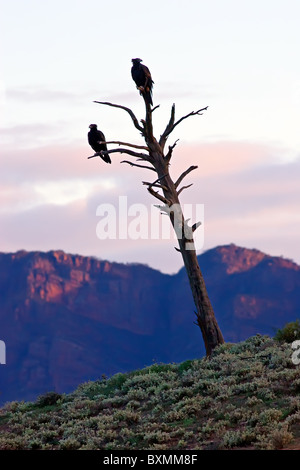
{"x":94,"y":138}
{"x":142,"y":77}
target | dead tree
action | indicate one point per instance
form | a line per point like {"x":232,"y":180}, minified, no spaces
{"x":154,"y":158}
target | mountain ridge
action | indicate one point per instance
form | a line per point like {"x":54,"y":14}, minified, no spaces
{"x":68,"y":318}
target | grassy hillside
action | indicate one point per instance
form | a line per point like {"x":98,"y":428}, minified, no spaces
{"x":246,"y":396}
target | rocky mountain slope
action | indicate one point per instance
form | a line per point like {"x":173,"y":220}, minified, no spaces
{"x":66,"y":319}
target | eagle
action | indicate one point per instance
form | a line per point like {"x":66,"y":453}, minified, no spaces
{"x":142,"y":77}
{"x":94,"y":138}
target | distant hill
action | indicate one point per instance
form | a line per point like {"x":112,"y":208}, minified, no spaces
{"x":66,"y":319}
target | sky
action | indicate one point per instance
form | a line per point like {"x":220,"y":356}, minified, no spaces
{"x":239,"y":58}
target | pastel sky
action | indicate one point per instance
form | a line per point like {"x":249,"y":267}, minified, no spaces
{"x":238,"y":57}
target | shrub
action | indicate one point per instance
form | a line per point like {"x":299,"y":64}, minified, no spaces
{"x":50,"y":398}
{"x":184,"y":366}
{"x":158,"y":368}
{"x":246,"y":395}
{"x":275,"y":439}
{"x":70,"y":444}
{"x":238,"y":438}
{"x":289,"y":333}
{"x":270,"y":416}
{"x":281,"y":437}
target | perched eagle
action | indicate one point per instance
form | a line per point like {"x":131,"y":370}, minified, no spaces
{"x":142,"y":77}
{"x":95,"y":137}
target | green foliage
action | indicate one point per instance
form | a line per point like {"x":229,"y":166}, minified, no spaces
{"x":48,"y":399}
{"x":158,"y":368}
{"x":289,"y":333}
{"x":184,"y":366}
{"x":245,"y":396}
{"x":115,"y":383}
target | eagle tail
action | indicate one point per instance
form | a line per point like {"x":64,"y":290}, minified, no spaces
{"x":106,"y":158}
{"x":148,"y":97}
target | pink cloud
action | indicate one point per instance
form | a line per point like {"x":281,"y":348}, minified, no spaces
{"x":249,"y":199}
{"x":55,"y":162}
{"x":222,"y":158}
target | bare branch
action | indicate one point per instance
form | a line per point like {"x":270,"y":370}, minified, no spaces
{"x":139,"y":166}
{"x":196,"y":225}
{"x":171,"y":148}
{"x":158,"y":196}
{"x":142,"y":147}
{"x":186,"y":172}
{"x":129,"y":152}
{"x":184,"y":187}
{"x":172,"y":124}
{"x":155,"y":107}
{"x":155,"y":183}
{"x":193,"y":113}
{"x":168,"y":129}
{"x":97,"y":154}
{"x":128,"y":110}
{"x":139,"y":156}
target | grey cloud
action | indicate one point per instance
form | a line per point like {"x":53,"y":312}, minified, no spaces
{"x":32,"y":94}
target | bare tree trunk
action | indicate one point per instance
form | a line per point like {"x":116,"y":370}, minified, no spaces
{"x":169,"y":198}
{"x":206,"y":320}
